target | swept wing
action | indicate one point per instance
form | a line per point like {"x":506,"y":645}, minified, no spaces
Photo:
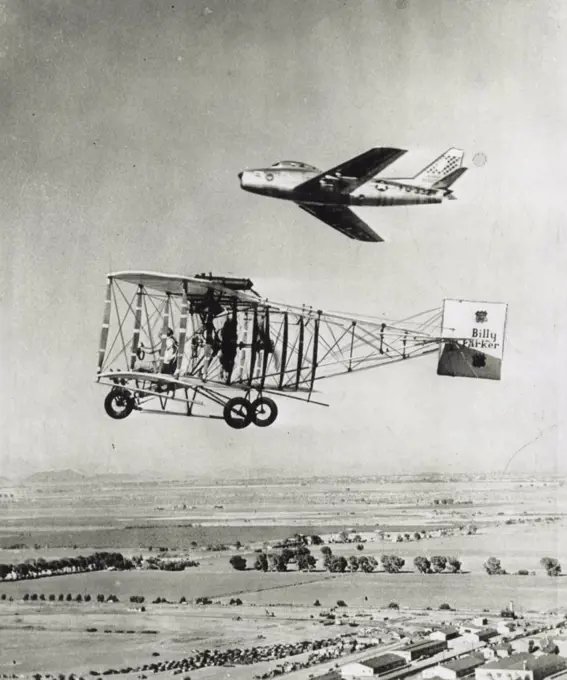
{"x":353,"y":173}
{"x":344,"y":220}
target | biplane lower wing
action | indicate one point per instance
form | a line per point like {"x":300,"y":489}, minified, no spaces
{"x":344,"y":220}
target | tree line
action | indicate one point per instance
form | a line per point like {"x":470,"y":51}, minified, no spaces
{"x":37,"y":568}
{"x":392,"y":564}
{"x":98,"y":561}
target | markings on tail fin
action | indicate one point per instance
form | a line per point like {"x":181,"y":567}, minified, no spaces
{"x":446,"y":164}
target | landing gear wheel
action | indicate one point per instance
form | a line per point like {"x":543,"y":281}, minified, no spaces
{"x":264,"y":411}
{"x":119,"y":403}
{"x":238,"y":413}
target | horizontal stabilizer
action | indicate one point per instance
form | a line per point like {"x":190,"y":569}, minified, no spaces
{"x":450,"y":179}
{"x":463,"y":362}
{"x":473,"y":339}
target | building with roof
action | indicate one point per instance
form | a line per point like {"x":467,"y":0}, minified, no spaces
{"x":421,"y":650}
{"x":506,"y":627}
{"x":522,"y":667}
{"x":481,"y":635}
{"x":444,"y":633}
{"x":454,"y":668}
{"x":375,"y":666}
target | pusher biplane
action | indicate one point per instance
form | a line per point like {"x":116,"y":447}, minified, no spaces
{"x":175,"y":344}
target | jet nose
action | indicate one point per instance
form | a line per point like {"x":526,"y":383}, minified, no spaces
{"x":240,"y":176}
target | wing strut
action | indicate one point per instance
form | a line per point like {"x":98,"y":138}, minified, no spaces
{"x":299,"y":352}
{"x":105,"y":325}
{"x":137,"y":326}
{"x":315,"y":351}
{"x":165,"y":327}
{"x":266,"y":344}
{"x":284,"y":350}
{"x":182,"y":329}
{"x":254,"y":346}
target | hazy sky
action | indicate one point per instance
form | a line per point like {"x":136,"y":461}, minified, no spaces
{"x":124,"y":125}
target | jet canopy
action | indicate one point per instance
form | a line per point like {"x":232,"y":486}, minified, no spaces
{"x":296,"y":165}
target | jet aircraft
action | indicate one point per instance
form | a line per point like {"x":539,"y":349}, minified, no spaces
{"x":328,"y":195}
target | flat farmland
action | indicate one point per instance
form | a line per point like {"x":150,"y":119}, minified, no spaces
{"x":419,"y":591}
{"x":190,"y":584}
{"x":47,"y":639}
{"x":43,"y":636}
{"x":519,"y":546}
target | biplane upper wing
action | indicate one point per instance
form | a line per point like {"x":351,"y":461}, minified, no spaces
{"x":344,"y":220}
{"x":355,"y":172}
{"x":196,"y":287}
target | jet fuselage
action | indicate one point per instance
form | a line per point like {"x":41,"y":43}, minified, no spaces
{"x":282,"y":183}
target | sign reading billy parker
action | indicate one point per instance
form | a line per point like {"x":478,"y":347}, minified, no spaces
{"x":478,"y":333}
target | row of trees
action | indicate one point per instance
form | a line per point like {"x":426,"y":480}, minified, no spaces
{"x":164,"y":564}
{"x":305,"y":561}
{"x":300,"y":555}
{"x":34,"y":597}
{"x":437,"y":564}
{"x":392,"y":564}
{"x":37,"y":568}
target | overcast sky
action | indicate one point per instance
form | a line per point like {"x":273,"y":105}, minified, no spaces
{"x":124,"y":125}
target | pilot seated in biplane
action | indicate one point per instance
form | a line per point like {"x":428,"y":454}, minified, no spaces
{"x":169,"y":364}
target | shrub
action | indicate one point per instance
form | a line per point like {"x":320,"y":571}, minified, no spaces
{"x":238,"y":562}
{"x":551,"y":566}
{"x":493,"y":567}
{"x":341,"y":603}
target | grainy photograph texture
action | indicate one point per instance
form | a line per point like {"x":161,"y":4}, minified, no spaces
{"x":283,"y":339}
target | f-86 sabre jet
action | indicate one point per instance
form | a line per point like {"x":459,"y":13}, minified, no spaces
{"x":328,"y":195}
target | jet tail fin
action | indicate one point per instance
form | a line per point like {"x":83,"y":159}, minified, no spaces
{"x":441,"y":168}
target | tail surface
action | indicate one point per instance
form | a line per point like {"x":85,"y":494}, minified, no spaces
{"x":449,"y":179}
{"x":444,"y":168}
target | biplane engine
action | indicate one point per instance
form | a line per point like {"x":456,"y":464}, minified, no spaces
{"x":473,"y":334}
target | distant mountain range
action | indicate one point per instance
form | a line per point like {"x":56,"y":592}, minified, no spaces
{"x":55,"y":477}
{"x":259,"y":476}
{"x":74,"y":477}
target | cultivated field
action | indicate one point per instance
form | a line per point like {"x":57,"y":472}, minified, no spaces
{"x":64,"y":521}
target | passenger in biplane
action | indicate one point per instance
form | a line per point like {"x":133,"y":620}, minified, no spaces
{"x":170,"y":354}
{"x":169,"y":357}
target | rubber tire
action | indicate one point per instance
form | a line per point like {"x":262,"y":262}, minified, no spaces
{"x":273,"y":408}
{"x":109,"y":404}
{"x":237,"y":423}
